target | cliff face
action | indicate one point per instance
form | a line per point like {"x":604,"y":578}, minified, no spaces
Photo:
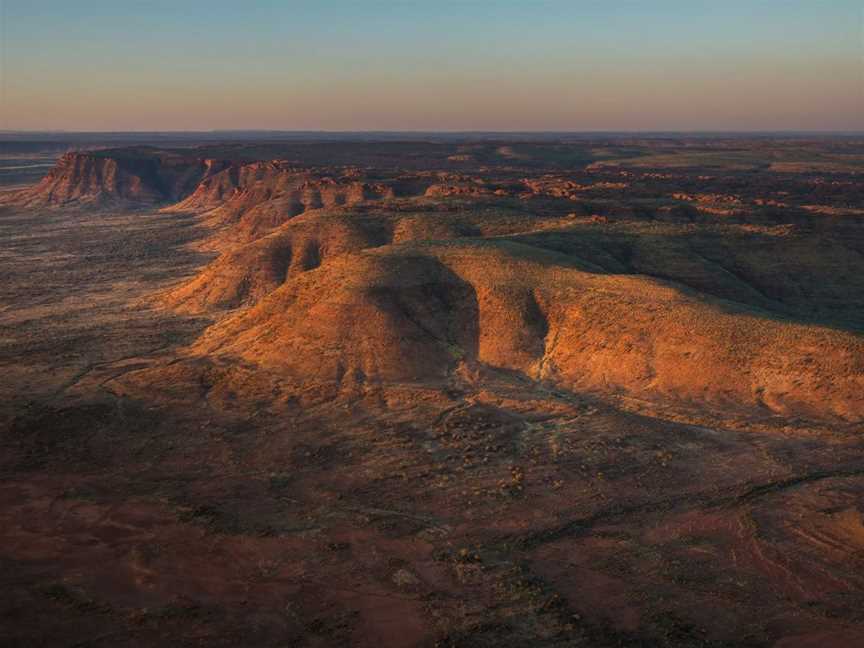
{"x":240,"y":188}
{"x":257,"y":197}
{"x":100,"y":178}
{"x":252,"y":197}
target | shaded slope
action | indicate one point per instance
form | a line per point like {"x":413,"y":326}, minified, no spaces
{"x":380,"y":317}
{"x":418,"y":312}
{"x":244,"y":274}
{"x":117,"y":177}
{"x":253,"y":199}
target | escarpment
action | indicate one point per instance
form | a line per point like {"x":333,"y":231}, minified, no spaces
{"x":363,"y":274}
{"x":256,"y":196}
{"x":418,"y":313}
{"x":117,"y":177}
{"x":336,"y":276}
{"x":253,"y":199}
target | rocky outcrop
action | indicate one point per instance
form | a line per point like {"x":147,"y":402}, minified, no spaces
{"x":256,"y":198}
{"x":117,"y":177}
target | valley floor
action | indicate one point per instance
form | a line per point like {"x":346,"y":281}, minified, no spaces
{"x":146,"y":499}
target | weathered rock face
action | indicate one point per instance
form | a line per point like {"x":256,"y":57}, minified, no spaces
{"x":118,"y":177}
{"x":258,"y":197}
{"x":217,"y":188}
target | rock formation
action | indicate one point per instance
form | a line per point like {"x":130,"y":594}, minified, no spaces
{"x":118,"y":177}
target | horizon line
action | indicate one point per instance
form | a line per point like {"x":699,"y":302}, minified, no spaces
{"x":9,"y":131}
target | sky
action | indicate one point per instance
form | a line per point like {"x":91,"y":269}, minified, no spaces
{"x":433,"y":65}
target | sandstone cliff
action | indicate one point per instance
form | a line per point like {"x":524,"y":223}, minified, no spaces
{"x":117,"y":177}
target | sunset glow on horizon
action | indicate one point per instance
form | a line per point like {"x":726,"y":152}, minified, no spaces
{"x":432,"y":66}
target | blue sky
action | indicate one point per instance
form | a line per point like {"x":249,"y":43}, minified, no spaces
{"x":422,"y":65}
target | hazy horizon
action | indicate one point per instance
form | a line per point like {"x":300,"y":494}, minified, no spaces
{"x":253,"y":131}
{"x":453,"y":67}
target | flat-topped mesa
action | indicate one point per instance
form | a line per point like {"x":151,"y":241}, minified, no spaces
{"x":268,"y":192}
{"x":118,"y":176}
